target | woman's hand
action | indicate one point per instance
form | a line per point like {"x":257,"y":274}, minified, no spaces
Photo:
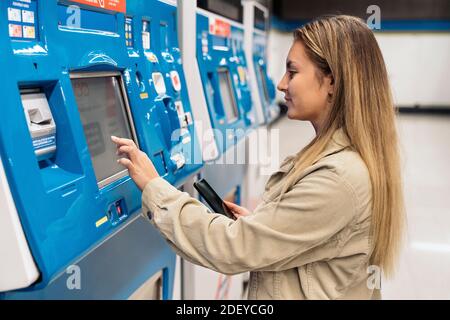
{"x":236,"y":210}
{"x":140,"y":167}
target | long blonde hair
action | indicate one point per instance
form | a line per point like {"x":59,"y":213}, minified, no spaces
{"x":345,"y":48}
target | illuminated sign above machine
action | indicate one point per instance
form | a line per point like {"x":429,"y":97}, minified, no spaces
{"x":113,"y":5}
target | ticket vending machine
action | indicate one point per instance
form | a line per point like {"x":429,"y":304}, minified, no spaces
{"x":263,"y":89}
{"x":263,"y":95}
{"x":215,"y":68}
{"x":153,"y":43}
{"x":73,"y":211}
{"x":225,"y":87}
{"x":229,"y":109}
{"x":151,"y":40}
{"x":238,"y":53}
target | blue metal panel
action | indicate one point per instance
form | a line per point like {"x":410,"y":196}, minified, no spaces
{"x":61,"y":207}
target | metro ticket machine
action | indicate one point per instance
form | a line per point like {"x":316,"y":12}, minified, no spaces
{"x":70,"y":210}
{"x":256,"y":18}
{"x":151,"y":39}
{"x":216,"y":69}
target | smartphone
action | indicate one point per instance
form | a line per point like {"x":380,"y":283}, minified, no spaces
{"x":212,"y":198}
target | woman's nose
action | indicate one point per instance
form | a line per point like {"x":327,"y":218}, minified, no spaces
{"x":282,"y":85}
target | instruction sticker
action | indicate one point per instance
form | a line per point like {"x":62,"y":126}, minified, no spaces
{"x":219,"y":27}
{"x":29,"y":32}
{"x":15,"y":30}
{"x":14,"y":15}
{"x":28,"y":16}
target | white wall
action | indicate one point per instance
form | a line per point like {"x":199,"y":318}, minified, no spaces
{"x":418,"y":65}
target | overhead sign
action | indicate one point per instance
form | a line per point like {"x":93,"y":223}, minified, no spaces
{"x":113,"y":5}
{"x":219,"y":28}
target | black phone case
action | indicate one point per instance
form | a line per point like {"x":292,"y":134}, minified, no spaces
{"x":212,"y":198}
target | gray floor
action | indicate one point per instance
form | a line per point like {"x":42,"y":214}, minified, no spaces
{"x":424,"y":268}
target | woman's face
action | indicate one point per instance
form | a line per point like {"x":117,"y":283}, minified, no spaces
{"x":307,"y":96}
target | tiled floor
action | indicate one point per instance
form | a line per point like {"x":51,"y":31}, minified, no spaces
{"x":424,"y":268}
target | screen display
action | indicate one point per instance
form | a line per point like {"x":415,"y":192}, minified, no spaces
{"x":227,"y":95}
{"x":103,"y":113}
{"x":260,"y":19}
{"x":264,"y":83}
{"x":231,"y":9}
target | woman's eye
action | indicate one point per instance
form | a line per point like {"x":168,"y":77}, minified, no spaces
{"x":291,"y":73}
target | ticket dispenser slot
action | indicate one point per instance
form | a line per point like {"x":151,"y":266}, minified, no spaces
{"x":40,"y":122}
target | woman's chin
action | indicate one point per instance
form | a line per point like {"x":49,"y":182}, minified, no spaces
{"x":291,"y":114}
{"x":296,"y":116}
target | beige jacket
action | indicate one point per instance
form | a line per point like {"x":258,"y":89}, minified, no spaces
{"x":316,"y":245}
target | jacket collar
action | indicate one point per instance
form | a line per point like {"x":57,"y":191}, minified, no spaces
{"x":339,"y":141}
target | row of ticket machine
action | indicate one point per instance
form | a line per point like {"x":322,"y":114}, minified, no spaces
{"x":77,"y":72}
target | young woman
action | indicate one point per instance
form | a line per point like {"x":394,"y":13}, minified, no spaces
{"x":333,"y":214}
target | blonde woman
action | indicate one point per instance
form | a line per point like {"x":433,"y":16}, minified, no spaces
{"x":332,"y":210}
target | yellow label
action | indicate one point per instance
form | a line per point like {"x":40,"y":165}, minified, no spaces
{"x":242,"y":75}
{"x":152,"y":58}
{"x":144,"y":95}
{"x":101,"y":221}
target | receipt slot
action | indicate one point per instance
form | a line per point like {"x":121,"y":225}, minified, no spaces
{"x":40,"y":123}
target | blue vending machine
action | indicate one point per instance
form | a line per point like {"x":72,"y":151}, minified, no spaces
{"x":75,"y":82}
{"x":226,"y":92}
{"x":152,"y":42}
{"x":215,"y":69}
{"x":240,"y":61}
{"x":228,"y":111}
{"x":255,"y":43}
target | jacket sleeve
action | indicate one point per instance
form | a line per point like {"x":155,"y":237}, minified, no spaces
{"x":316,"y":209}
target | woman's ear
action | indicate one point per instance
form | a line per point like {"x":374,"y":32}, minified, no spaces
{"x":330,"y":86}
{"x":330,"y":81}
